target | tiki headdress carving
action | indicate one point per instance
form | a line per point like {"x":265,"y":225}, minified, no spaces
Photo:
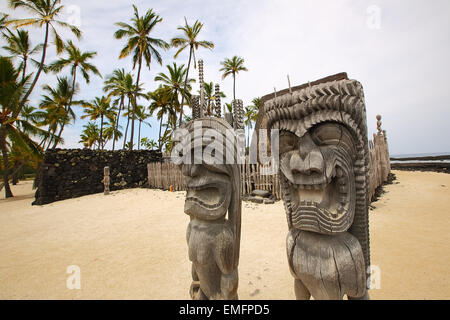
{"x":324,"y":166}
{"x":213,"y":190}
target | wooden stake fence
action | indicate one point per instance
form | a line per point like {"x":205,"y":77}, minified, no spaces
{"x":162,"y":175}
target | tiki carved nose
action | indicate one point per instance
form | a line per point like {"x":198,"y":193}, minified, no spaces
{"x":308,"y":159}
{"x":191,"y":170}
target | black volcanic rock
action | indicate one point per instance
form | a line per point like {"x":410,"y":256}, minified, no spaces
{"x":71,"y":173}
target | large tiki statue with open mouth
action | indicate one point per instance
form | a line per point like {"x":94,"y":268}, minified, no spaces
{"x":324,"y":168}
{"x":213,"y":190}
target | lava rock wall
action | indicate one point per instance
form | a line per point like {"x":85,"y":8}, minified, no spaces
{"x":71,"y":173}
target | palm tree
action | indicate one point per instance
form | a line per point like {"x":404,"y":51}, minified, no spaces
{"x":250,"y":115}
{"x":229,"y":107}
{"x":46,"y":12}
{"x":149,"y":144}
{"x":166,"y":139}
{"x":232,"y":67}
{"x":57,"y":102}
{"x":112,"y":131}
{"x":3,"y":22}
{"x":174,"y":81}
{"x":248,"y":119}
{"x":115,"y":86}
{"x":20,"y":46}
{"x":210,"y":96}
{"x":11,"y":94}
{"x":51,"y":117}
{"x":100,"y":108}
{"x":256,"y":103}
{"x":142,"y":45}
{"x":131,"y":92}
{"x":141,"y":116}
{"x":32,"y":114}
{"x":161,"y":104}
{"x":90,"y":136}
{"x":189,"y":39}
{"x":75,"y":60}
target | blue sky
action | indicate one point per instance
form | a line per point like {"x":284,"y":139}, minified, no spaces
{"x":397,"y":49}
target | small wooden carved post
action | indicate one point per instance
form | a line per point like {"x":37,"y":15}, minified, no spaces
{"x":106,"y":180}
{"x":217,"y":98}
{"x":324,"y":173}
{"x":213,"y":202}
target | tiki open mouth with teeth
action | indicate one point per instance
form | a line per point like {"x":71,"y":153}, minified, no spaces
{"x":318,"y":187}
{"x":207,"y":196}
{"x":324,"y":207}
{"x":207,"y":193}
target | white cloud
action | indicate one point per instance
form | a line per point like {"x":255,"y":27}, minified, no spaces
{"x":402,"y":65}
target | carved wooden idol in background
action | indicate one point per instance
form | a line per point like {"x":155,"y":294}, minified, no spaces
{"x":106,"y":180}
{"x":324,"y":168}
{"x":213,"y":237}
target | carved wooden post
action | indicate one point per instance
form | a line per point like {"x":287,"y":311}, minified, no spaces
{"x":324,"y":173}
{"x":195,"y":104}
{"x":217,"y":98}
{"x":238,"y":117}
{"x":202,"y":89}
{"x":388,"y":159}
{"x":213,"y":202}
{"x":106,"y":180}
{"x":383,"y":149}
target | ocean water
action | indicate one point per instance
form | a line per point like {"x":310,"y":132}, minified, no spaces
{"x":420,"y":161}
{"x":410,"y":155}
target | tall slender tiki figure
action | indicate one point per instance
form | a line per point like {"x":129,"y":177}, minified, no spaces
{"x":213,"y":201}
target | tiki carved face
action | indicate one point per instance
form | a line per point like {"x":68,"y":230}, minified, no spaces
{"x":318,"y":179}
{"x":208,"y":190}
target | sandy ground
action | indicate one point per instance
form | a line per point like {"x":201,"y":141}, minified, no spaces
{"x":131,"y":244}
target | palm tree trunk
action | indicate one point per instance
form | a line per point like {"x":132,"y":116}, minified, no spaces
{"x":135,"y":102}
{"x":139,"y":135}
{"x":100,"y":144}
{"x":41,"y":66}
{"x":59,"y":136}
{"x":248,"y":136}
{"x":8,"y":193}
{"x":181,"y":109}
{"x":73,"y":89}
{"x":116,"y":124}
{"x":24,"y":68}
{"x":160,"y":126}
{"x":51,"y":139}
{"x":185,"y":85}
{"x":234,"y":86}
{"x":15,"y":173}
{"x":128,"y":123}
{"x":44,"y":141}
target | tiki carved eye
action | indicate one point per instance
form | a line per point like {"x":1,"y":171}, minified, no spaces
{"x":288,"y":142}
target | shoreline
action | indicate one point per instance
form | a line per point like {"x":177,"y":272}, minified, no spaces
{"x":422,"y":167}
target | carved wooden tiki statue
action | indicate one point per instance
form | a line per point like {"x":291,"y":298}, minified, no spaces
{"x":213,"y":190}
{"x":324,"y":170}
{"x":106,"y":180}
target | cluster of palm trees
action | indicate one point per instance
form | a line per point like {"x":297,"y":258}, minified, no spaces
{"x":26,"y":130}
{"x":21,"y":124}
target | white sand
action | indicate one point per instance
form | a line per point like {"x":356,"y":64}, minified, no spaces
{"x":131,"y":244}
